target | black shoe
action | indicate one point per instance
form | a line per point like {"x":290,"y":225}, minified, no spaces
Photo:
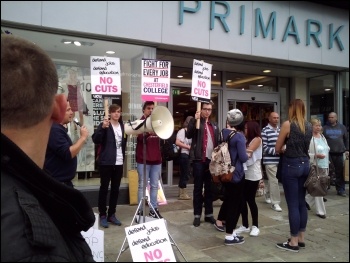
{"x":219,"y":228}
{"x":138,"y":216}
{"x":307,"y":206}
{"x":300,"y":244}
{"x":321,"y":216}
{"x":155,"y":213}
{"x":286,"y":246}
{"x":197,"y":221}
{"x":210,"y":219}
{"x":324,"y":199}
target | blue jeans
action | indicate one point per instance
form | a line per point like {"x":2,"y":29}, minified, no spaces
{"x":294,"y":175}
{"x":202,"y":176}
{"x":184,"y":162}
{"x":153,"y":173}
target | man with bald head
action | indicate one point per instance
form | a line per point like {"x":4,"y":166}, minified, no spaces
{"x":269,"y":135}
{"x":338,"y":141}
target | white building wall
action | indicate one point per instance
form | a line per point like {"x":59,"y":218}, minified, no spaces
{"x":158,"y":23}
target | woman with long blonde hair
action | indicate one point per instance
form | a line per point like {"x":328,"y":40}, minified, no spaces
{"x":294,"y":140}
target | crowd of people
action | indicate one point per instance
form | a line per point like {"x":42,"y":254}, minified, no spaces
{"x":34,"y":135}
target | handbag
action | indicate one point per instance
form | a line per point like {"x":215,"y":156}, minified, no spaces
{"x":279,"y":168}
{"x":317,"y":181}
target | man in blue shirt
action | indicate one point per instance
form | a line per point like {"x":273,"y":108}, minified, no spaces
{"x":338,"y":141}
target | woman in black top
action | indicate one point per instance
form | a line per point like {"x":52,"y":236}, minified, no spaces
{"x":293,"y":141}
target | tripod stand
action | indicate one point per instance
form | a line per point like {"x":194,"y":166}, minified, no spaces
{"x":144,"y":199}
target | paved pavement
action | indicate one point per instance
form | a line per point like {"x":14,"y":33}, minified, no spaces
{"x":327,"y":240}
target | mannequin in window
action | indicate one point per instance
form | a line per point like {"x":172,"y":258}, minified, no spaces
{"x":74,"y":94}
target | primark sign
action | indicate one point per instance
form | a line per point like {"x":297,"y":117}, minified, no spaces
{"x":314,"y":30}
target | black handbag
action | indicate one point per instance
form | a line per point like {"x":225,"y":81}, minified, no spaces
{"x":318,"y":180}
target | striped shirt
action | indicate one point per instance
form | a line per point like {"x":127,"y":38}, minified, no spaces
{"x":269,"y":137}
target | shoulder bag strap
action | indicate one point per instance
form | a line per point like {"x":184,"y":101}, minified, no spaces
{"x":313,"y":139}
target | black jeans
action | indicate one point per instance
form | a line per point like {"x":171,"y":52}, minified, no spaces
{"x":184,"y":162}
{"x":338,"y":161}
{"x":113,"y":174}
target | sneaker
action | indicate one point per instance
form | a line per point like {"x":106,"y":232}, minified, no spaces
{"x":103,"y":221}
{"x":276,"y":207}
{"x":210,"y":219}
{"x":240,"y":237}
{"x":300,"y":244}
{"x":255,"y":231}
{"x":155,"y":213}
{"x":286,"y":246}
{"x":267,"y":199}
{"x":343,"y":194}
{"x":219,"y":228}
{"x":235,"y":241}
{"x":242,"y":229}
{"x":114,"y":220}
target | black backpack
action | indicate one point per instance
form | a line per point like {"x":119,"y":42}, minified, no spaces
{"x":169,"y":150}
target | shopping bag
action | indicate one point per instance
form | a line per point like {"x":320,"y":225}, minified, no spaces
{"x":161,"y":200}
{"x":133,"y":186}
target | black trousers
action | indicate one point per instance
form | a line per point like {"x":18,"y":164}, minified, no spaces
{"x":338,"y":162}
{"x":109,"y":174}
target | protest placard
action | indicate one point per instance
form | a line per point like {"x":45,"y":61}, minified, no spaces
{"x":155,"y":80}
{"x":150,"y":242}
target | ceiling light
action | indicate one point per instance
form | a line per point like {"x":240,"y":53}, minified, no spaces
{"x":180,"y":76}
{"x":214,"y":74}
{"x":260,"y":85}
{"x":266,"y":71}
{"x":110,"y":52}
{"x":77,"y":43}
{"x":64,"y":61}
{"x":229,"y":80}
{"x":327,"y":89}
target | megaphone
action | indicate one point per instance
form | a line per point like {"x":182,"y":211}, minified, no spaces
{"x":160,"y":122}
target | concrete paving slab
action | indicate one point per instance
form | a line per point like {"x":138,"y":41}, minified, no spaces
{"x":327,"y":240}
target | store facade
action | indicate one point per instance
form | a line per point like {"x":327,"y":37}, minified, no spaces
{"x":305,"y":47}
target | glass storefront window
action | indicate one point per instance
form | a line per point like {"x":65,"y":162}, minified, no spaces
{"x":73,"y":67}
{"x":251,"y":82}
{"x":344,"y":82}
{"x":322,"y":90}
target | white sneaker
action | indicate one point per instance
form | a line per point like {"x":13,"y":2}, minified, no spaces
{"x":276,"y":207}
{"x":267,"y":199}
{"x":241,"y":229}
{"x":255,"y":231}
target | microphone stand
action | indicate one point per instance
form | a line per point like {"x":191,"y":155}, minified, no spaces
{"x":144,"y":197}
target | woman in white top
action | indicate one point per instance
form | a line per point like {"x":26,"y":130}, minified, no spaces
{"x":319,"y":142}
{"x":252,"y":177}
{"x":184,"y":161}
